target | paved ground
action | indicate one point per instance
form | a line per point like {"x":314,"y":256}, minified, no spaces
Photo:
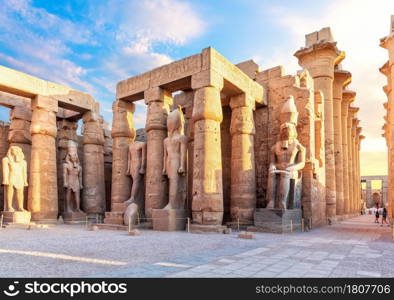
{"x":352,"y":248}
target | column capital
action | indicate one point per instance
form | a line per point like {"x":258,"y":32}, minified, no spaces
{"x":348,"y":96}
{"x":123,"y":124}
{"x":157,"y":94}
{"x":242,"y":121}
{"x":242,"y":100}
{"x":342,"y":77}
{"x":207,"y":104}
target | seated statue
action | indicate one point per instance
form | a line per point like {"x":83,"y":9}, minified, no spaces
{"x":14,"y":178}
{"x":136,"y":166}
{"x":72,"y":178}
{"x":287,"y":158}
{"x":174,"y":164}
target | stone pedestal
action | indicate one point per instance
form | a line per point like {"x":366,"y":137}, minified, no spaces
{"x":197,"y":228}
{"x":276,"y":220}
{"x":74,"y":217}
{"x":16,"y":217}
{"x":169,"y":219}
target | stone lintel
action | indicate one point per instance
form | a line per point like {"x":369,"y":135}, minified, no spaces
{"x":209,"y":68}
{"x":25,"y":85}
{"x":11,"y":100}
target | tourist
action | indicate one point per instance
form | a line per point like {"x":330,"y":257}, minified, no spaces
{"x":377,"y":214}
{"x":384,"y":217}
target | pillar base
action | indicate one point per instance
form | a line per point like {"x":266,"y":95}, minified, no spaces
{"x":44,"y":218}
{"x":16,"y":217}
{"x":198,"y":228}
{"x":74,"y":218}
{"x":169,"y":219}
{"x":208,"y":217}
{"x":276,"y":220}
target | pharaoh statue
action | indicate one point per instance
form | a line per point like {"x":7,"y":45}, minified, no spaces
{"x":72,"y":179}
{"x":14,"y":178}
{"x":136,"y":166}
{"x":174,"y":164}
{"x":287,"y":158}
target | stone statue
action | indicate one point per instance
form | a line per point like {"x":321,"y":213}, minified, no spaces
{"x":174,"y":164}
{"x":72,"y":179}
{"x":136,"y":167}
{"x":14,"y":177}
{"x":287,"y":158}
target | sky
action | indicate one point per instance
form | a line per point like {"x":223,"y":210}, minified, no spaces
{"x":91,"y":45}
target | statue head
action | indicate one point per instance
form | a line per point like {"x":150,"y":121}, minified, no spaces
{"x":72,"y":153}
{"x":15,"y":154}
{"x":175,"y":122}
{"x":288,"y":132}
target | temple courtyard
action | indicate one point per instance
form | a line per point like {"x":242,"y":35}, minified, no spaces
{"x":352,"y":248}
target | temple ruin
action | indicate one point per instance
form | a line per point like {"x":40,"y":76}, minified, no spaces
{"x":224,"y":145}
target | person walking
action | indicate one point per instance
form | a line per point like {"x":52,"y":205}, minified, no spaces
{"x":384,"y":217}
{"x":377,"y":215}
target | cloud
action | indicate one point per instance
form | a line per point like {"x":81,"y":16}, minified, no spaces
{"x":40,"y":43}
{"x":357,"y":26}
{"x":145,"y":38}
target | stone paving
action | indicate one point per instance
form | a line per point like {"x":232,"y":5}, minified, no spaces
{"x":353,"y":248}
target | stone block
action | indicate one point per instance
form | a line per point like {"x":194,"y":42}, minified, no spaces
{"x":276,"y":220}
{"x":16,"y":217}
{"x":74,"y":217}
{"x":169,"y":219}
{"x":246,"y":235}
{"x":198,"y":228}
{"x":134,"y":232}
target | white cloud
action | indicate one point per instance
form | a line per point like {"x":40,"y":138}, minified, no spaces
{"x":357,"y":26}
{"x":39,"y":40}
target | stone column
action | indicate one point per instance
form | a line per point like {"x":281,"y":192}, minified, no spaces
{"x":66,"y":131}
{"x":243,"y":173}
{"x":368,"y":192}
{"x":207,"y":205}
{"x":350,"y":157}
{"x":384,"y":191}
{"x":158,"y":101}
{"x":319,"y":57}
{"x":358,"y":178}
{"x":93,"y":199}
{"x":122,"y":132}
{"x":42,"y":200}
{"x":388,"y":43}
{"x":4,"y":146}
{"x":19,"y":134}
{"x":107,"y":164}
{"x":341,"y":79}
{"x":347,"y":98}
{"x":354,"y":165}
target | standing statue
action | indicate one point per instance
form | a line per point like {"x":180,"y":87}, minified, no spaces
{"x":136,"y":167}
{"x":287,"y":158}
{"x":174,"y":164}
{"x":72,"y":178}
{"x":14,"y":177}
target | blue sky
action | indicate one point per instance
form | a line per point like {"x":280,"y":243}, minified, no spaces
{"x":91,"y":45}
